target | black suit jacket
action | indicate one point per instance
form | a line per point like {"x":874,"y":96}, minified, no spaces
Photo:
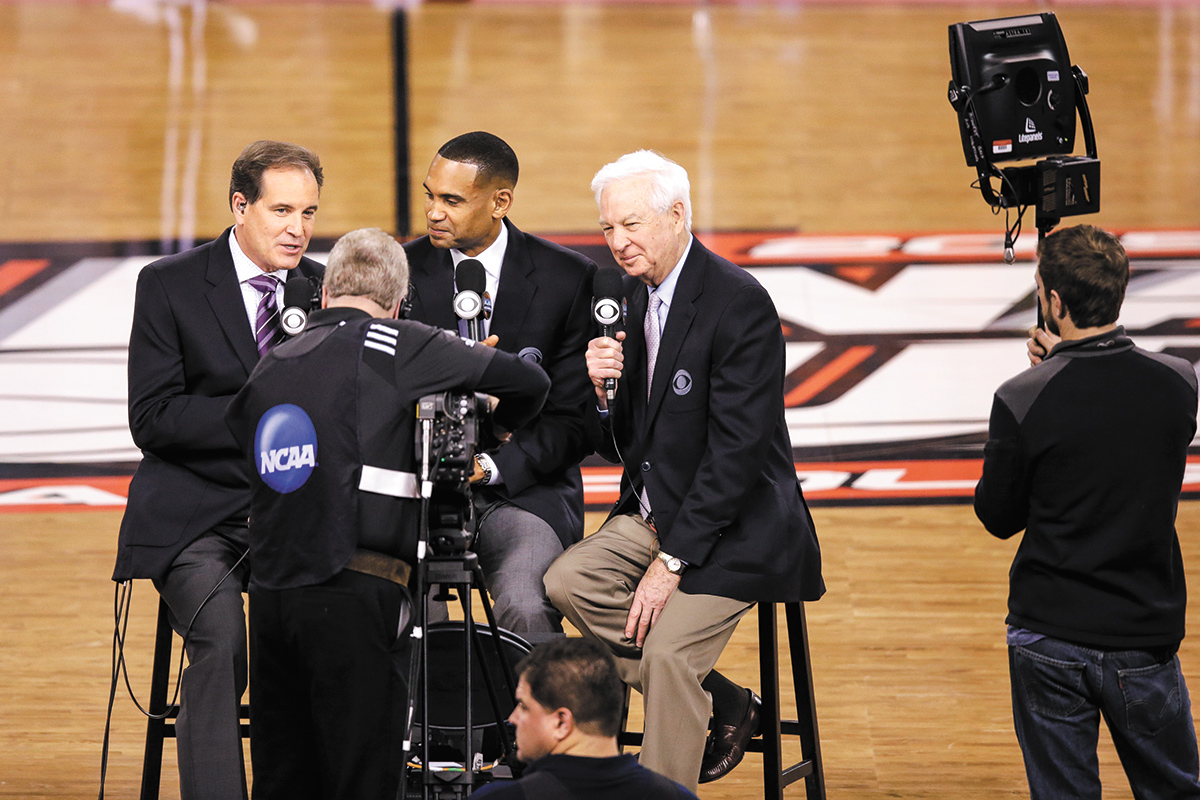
{"x":543,"y":313}
{"x":190,"y":351}
{"x":711,"y":446}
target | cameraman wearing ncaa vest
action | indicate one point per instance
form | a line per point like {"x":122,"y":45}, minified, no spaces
{"x":328,"y":420}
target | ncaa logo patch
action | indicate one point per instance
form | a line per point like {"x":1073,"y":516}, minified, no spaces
{"x":681,"y":384}
{"x":286,"y":447}
{"x":530,"y":354}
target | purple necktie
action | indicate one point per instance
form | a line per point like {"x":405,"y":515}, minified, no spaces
{"x":266,"y":322}
{"x":653,"y":333}
{"x":651,"y":330}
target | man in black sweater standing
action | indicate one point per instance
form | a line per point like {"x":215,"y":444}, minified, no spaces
{"x":1086,"y":453}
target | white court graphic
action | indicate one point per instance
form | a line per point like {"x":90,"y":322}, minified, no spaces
{"x":900,"y":367}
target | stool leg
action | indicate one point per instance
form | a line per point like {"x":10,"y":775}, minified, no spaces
{"x":806,"y":709}
{"x":624,"y":722}
{"x":156,"y":727}
{"x":768,"y":669}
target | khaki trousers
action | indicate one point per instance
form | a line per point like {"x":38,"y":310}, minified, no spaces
{"x":593,"y":584}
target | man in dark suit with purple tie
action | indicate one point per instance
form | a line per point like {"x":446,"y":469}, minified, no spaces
{"x":201,"y":320}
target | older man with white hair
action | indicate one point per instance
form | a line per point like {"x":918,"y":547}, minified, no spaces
{"x":711,"y":519}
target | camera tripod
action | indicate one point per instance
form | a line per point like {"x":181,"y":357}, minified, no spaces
{"x":458,"y":572}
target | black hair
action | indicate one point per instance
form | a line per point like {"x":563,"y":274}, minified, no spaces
{"x":493,"y":157}
{"x":579,"y":674}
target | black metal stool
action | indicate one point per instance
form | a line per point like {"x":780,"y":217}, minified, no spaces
{"x":769,"y":741}
{"x":158,"y":729}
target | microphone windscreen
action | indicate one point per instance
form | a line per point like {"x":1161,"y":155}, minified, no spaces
{"x":607,"y":282}
{"x":298,"y":293}
{"x":470,"y":277}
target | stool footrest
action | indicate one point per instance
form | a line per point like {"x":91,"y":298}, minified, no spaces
{"x":797,"y":772}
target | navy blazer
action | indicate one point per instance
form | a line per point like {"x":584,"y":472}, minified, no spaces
{"x":543,"y":313}
{"x":711,"y":446}
{"x":190,"y":350}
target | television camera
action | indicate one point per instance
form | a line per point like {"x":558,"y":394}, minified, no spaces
{"x":464,"y":690}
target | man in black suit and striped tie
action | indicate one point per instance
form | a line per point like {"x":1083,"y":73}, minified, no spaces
{"x":201,"y":321}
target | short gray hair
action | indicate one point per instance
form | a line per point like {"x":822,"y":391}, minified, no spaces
{"x":368,"y":263}
{"x":668,"y":180}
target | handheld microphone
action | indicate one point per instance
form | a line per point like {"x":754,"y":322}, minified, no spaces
{"x":297,"y":302}
{"x":606,"y":310}
{"x":471,"y":281}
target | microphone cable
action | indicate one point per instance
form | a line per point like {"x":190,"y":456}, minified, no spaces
{"x":643,"y":509}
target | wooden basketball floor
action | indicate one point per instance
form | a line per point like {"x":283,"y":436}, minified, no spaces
{"x":120,"y":122}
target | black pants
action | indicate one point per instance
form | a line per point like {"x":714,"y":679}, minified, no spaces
{"x":327,"y":688}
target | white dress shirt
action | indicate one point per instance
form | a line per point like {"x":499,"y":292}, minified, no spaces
{"x":247,"y":269}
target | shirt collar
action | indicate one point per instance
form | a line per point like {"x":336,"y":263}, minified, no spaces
{"x":245,"y":268}
{"x":491,"y":258}
{"x":335,"y":315}
{"x":666,"y":289}
{"x":1112,"y":341}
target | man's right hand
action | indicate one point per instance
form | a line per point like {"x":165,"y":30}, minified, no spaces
{"x":1040,"y":343}
{"x":649,"y":599}
{"x":604,"y":360}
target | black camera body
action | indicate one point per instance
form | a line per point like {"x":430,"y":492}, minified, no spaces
{"x":448,"y":422}
{"x":447,"y":434}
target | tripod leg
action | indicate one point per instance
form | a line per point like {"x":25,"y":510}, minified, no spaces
{"x":493,"y":695}
{"x":506,"y":740}
{"x":416,"y":658}
{"x":509,"y":678}
{"x":464,"y":595}
{"x":424,"y":670}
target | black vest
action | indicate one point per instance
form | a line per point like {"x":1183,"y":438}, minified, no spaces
{"x":323,"y":405}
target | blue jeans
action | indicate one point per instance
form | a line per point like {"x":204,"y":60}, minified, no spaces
{"x":1059,"y":691}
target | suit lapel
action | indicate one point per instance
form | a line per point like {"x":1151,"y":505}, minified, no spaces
{"x":225,"y":298}
{"x":679,"y":321}
{"x":516,"y":291}
{"x":434,"y":302}
{"x":634,"y":347}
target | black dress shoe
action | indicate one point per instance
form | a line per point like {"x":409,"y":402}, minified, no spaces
{"x":727,"y":743}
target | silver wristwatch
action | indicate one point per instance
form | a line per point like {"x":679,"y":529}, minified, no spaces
{"x":485,"y":469}
{"x":674,"y":565}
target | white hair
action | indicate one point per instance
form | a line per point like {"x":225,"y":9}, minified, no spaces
{"x":669,"y":181}
{"x":368,"y":263}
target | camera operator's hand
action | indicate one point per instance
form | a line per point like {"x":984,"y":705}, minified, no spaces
{"x":491,"y":341}
{"x":1041,"y":342}
{"x":604,"y":360}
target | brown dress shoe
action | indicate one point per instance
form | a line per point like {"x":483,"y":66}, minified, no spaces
{"x":727,"y":743}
